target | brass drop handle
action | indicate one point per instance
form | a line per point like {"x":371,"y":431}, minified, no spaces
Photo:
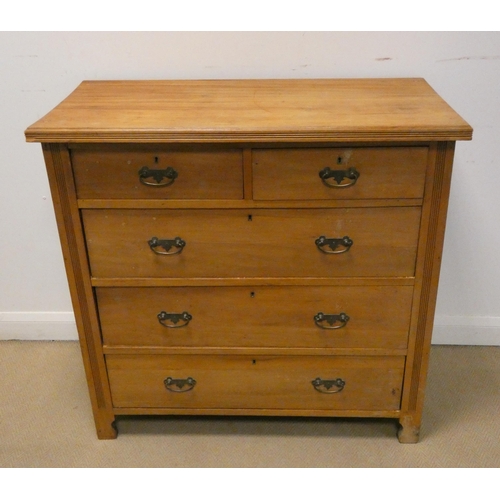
{"x":328,"y":386}
{"x":336,"y":245}
{"x":164,"y":247}
{"x":351,"y":174}
{"x":174,"y":320}
{"x":162,"y":177}
{"x":331,"y":321}
{"x":179,"y":384}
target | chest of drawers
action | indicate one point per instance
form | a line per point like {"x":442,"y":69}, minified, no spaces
{"x":260,"y":247}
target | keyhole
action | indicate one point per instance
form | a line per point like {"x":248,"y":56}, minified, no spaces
{"x":339,"y":160}
{"x":252,"y":295}
{"x":156,"y":159}
{"x":254,"y":361}
{"x":249,"y":217}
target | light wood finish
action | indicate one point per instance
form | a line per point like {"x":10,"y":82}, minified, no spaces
{"x":266,"y":281}
{"x":293,"y":174}
{"x":251,"y":110}
{"x":260,"y":412}
{"x":109,"y":174}
{"x":257,"y":316}
{"x":251,"y":351}
{"x":226,"y":243}
{"x":371,"y":383}
{"x":76,"y":262}
{"x":427,"y":278}
{"x":250,"y":204}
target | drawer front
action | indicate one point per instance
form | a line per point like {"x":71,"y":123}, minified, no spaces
{"x":277,"y":382}
{"x":353,"y":317}
{"x":294,"y":174}
{"x":158,"y":174}
{"x":263,"y":243}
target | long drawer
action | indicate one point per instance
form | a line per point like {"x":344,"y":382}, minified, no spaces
{"x":256,"y":243}
{"x":339,"y":173}
{"x":295,"y":316}
{"x":238,"y":381}
{"x":158,"y":173}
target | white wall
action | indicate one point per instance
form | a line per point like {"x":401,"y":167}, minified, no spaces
{"x":39,"y":69}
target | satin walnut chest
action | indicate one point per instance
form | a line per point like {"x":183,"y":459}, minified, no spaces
{"x":253,"y":247}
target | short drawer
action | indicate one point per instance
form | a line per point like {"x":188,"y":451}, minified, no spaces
{"x":294,"y":316}
{"x":111,"y":173}
{"x":259,"y":243}
{"x":339,"y":173}
{"x":240,"y":381}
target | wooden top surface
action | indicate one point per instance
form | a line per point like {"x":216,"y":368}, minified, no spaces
{"x":251,"y":110}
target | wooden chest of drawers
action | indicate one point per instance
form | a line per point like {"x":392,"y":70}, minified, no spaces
{"x":258,"y":247}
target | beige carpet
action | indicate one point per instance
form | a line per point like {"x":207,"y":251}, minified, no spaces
{"x":45,"y":421}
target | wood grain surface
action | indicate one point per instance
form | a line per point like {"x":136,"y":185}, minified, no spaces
{"x":384,"y":173}
{"x":274,"y":243}
{"x":265,"y":316}
{"x":251,"y":110}
{"x":105,"y":173}
{"x":279,"y":382}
